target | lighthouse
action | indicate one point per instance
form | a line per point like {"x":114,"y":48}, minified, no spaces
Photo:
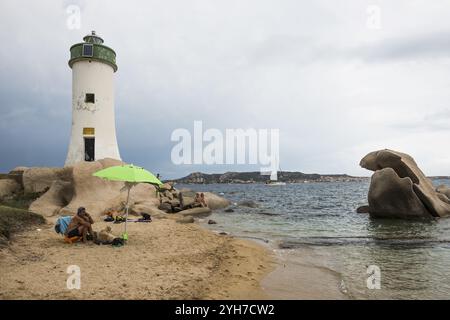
{"x":93,"y":134}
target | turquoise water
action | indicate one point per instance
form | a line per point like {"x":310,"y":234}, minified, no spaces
{"x":413,"y":256}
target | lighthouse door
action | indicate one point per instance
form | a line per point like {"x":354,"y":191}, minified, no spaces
{"x":89,"y":149}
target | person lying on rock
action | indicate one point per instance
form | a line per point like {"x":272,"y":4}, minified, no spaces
{"x":80,"y":225}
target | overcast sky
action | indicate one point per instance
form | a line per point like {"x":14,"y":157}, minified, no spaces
{"x":335,"y":86}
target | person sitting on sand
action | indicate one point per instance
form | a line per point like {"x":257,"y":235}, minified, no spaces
{"x":80,"y":225}
{"x":203,"y":200}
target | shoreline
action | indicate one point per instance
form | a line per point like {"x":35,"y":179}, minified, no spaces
{"x":162,"y":260}
{"x":300,"y":276}
{"x":296,"y":274}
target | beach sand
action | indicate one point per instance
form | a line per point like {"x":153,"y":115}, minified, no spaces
{"x":301,"y":274}
{"x":162,"y":260}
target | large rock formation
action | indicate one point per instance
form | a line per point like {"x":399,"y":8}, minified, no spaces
{"x":72,"y":187}
{"x":56,"y":198}
{"x":399,"y":189}
{"x":196,"y":212}
{"x":75,"y":187}
{"x":216,"y":202}
{"x":444,"y":190}
{"x":40,"y":179}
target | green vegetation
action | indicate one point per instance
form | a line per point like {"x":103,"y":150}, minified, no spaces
{"x":21,"y":200}
{"x":14,"y":220}
{"x":14,"y":215}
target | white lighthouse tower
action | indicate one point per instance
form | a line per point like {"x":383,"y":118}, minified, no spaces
{"x":93,"y":123}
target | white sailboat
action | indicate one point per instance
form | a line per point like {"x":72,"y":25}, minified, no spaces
{"x":276,"y":182}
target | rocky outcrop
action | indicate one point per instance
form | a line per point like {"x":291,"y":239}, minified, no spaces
{"x":196,"y":212}
{"x":216,"y":202}
{"x":392,"y":196}
{"x":20,"y":169}
{"x":57,"y":197}
{"x":91,"y":192}
{"x":74,"y":187}
{"x":145,"y":207}
{"x":40,"y":179}
{"x":443,"y":189}
{"x":248,"y":203}
{"x":399,"y":189}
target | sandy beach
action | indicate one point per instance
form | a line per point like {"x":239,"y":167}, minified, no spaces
{"x":162,"y":260}
{"x":300,"y":274}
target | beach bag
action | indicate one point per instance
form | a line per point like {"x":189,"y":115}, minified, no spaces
{"x":118,"y":242}
{"x":62,"y":223}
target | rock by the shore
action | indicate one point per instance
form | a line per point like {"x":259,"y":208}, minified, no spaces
{"x":248,"y":203}
{"x":216,"y":202}
{"x":210,"y":221}
{"x":445,"y":190}
{"x":399,"y":189}
{"x":393,"y":197}
{"x":200,"y":211}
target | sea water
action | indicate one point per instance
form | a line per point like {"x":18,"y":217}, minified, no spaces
{"x":413,"y":256}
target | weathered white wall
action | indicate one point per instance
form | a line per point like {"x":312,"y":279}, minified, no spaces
{"x":98,"y":78}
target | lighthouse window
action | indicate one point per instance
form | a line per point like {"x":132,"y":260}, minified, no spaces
{"x":90,"y":98}
{"x":88,"y":50}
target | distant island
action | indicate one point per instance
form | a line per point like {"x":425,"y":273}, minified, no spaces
{"x":283,"y":176}
{"x":257,"y":177}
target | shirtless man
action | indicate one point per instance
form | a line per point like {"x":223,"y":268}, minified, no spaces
{"x":80,"y":225}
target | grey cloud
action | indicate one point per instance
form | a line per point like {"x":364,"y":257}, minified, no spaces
{"x":234,"y":64}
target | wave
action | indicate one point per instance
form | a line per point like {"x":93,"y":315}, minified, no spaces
{"x":362,"y":240}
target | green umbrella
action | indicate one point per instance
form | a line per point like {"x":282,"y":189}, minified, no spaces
{"x":131,"y":175}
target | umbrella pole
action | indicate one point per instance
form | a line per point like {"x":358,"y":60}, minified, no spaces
{"x":126,"y":210}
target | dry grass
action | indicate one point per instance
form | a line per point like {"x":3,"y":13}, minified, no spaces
{"x":13,"y":220}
